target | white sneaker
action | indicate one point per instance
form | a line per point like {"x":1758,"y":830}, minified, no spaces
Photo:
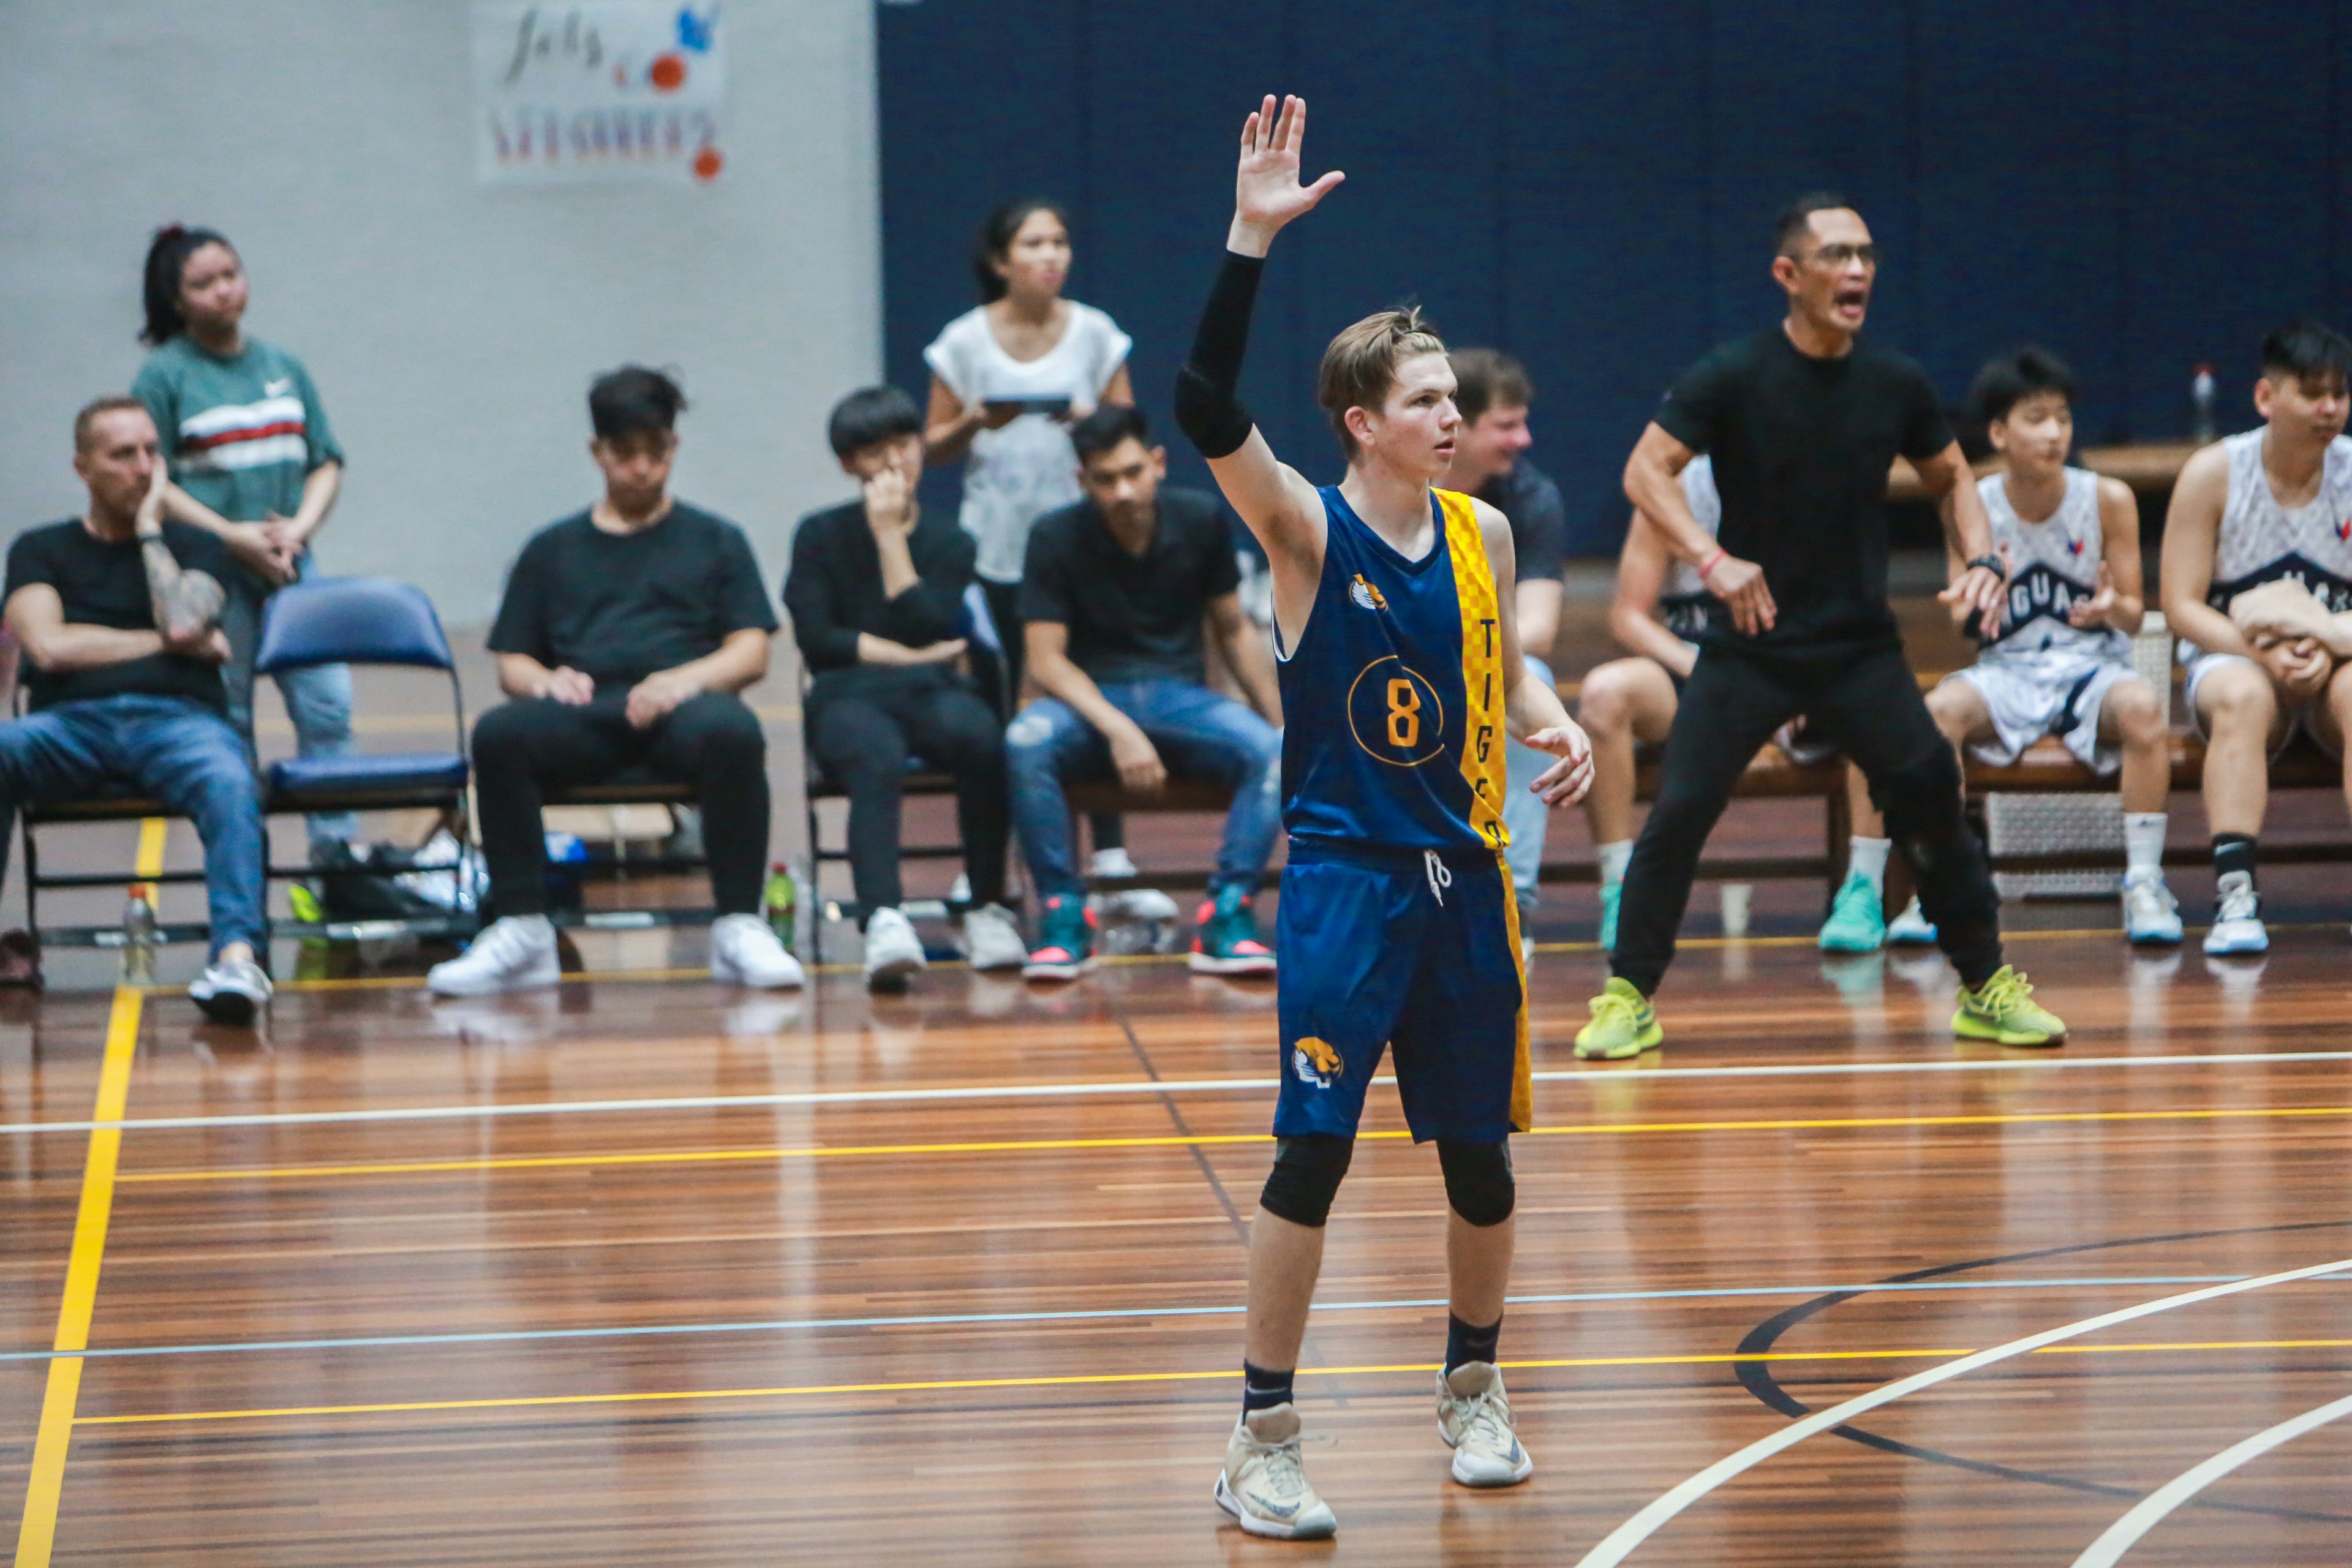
{"x":1132,"y":903}
{"x":231,"y":991}
{"x":2237,"y":917}
{"x":514,"y":952}
{"x":745,"y":951}
{"x":960,"y":891}
{"x":1911,"y":928}
{"x":892,"y":951}
{"x":1263,"y":1483}
{"x":2151,"y":914}
{"x":992,"y":939}
{"x":1474,"y":1416}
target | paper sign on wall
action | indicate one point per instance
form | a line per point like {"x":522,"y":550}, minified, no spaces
{"x":599,"y":91}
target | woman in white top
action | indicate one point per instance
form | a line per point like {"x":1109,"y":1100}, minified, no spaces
{"x":1007,"y":377}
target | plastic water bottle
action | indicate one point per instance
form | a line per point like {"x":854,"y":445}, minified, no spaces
{"x":2201,"y":398}
{"x":777,"y":904}
{"x":138,"y":935}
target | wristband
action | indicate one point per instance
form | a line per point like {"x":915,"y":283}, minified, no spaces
{"x":1712,"y":561}
{"x":1992,"y":563}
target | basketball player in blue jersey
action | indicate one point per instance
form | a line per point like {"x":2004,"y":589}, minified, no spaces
{"x":1400,"y":676}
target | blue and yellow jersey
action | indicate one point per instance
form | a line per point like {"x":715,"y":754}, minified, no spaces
{"x":1393,"y":702}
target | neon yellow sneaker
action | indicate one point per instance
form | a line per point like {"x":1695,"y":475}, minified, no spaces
{"x":1623,"y":1025}
{"x":2005,"y":1013}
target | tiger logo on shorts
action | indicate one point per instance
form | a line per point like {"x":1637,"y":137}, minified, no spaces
{"x":1316,"y":1062}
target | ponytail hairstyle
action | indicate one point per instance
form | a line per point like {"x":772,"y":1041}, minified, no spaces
{"x":167,"y":258}
{"x":995,"y":241}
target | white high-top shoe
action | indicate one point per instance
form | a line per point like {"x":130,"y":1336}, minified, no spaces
{"x":515,"y":953}
{"x":1474,"y":1416}
{"x":1263,"y":1483}
{"x":992,"y":938}
{"x":745,"y":951}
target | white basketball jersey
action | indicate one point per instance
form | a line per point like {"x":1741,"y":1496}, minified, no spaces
{"x":2262,"y":542}
{"x":2054,"y":565}
{"x":1685,"y":602}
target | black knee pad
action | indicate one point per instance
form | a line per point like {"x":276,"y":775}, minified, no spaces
{"x":1306,"y":1178}
{"x":1478,"y":1181}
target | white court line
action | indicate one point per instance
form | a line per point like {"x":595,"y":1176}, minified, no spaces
{"x":1620,"y":1543}
{"x":1120,"y":1087}
{"x":2147,"y":1513}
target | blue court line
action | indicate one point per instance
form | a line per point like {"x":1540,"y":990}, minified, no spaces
{"x":789,"y":1325}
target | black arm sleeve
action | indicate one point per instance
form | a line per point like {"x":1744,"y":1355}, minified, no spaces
{"x":1206,"y":409}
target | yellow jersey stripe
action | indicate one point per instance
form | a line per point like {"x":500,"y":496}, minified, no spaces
{"x":1482,"y":667}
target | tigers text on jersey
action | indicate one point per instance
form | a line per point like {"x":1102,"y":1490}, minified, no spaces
{"x":1393,"y":700}
{"x":2054,"y":565}
{"x":2260,"y":541}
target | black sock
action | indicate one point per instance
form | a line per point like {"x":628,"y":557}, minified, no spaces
{"x":1262,"y":1390}
{"x":1463,"y":1342}
{"x":2233,"y":852}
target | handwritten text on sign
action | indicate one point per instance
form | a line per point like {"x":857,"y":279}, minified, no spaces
{"x":598,"y":91}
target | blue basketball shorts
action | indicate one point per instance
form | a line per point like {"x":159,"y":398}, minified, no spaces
{"x":1418,"y":951}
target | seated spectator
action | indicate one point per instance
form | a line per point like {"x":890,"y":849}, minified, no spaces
{"x":1112,"y":597}
{"x":625,"y":634}
{"x":117,"y":612}
{"x":876,"y":593}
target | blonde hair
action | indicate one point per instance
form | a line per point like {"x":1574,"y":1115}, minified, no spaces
{"x":1360,"y":364}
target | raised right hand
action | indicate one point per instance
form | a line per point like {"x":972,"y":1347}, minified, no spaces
{"x":1266,"y":192}
{"x":1740,"y":585}
{"x":1138,"y":760}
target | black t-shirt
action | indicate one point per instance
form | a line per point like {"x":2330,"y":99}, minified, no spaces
{"x":617,"y":608}
{"x":1131,"y":618}
{"x":833,"y":592}
{"x":1801,"y":449}
{"x":1526,"y":495}
{"x":104,"y":585}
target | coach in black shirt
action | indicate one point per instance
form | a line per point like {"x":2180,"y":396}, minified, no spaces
{"x":1803,"y":421}
{"x":625,"y":634}
{"x":877,"y":597}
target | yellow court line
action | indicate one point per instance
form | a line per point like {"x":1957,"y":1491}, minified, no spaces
{"x":38,"y":1530}
{"x":1070,"y":1380}
{"x":1040,"y":1145}
{"x":148,"y":863}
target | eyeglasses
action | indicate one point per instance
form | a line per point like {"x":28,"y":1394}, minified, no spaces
{"x":1838,"y":253}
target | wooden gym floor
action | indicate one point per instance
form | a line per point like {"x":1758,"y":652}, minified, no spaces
{"x":644,"y":1271}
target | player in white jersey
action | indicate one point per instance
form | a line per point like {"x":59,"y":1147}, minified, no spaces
{"x":1660,"y":607}
{"x":2060,"y":662}
{"x":2257,"y":580}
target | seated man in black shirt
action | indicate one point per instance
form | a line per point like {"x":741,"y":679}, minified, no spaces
{"x":119,"y":614}
{"x":876,"y":593}
{"x":1112,"y":597}
{"x":626,"y":633}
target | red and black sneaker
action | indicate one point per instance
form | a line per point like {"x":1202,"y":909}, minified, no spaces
{"x":1226,"y":938}
{"x":1066,"y":941}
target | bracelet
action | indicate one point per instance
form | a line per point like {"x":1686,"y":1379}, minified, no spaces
{"x":1712,"y":561}
{"x":1992,"y":563}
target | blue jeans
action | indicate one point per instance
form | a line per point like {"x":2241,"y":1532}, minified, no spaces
{"x":1524,"y":812}
{"x":181,"y":753}
{"x":1199,"y":734}
{"x":318,"y":698}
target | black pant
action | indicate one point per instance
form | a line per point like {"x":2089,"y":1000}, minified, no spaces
{"x":862,"y":739}
{"x":1868,"y":705}
{"x":1107,"y":829}
{"x":711,"y":740}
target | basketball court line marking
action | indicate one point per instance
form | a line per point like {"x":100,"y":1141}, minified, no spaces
{"x":820,"y":1098}
{"x":1177,"y":1140}
{"x":2150,"y":1510}
{"x":1091,"y":1315}
{"x":1621,"y":1543}
{"x":162,"y":1417}
{"x":37,"y":1532}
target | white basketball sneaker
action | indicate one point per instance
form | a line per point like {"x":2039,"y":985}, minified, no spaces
{"x":1474,"y":1416}
{"x":992,"y":938}
{"x":1131,"y":904}
{"x":1911,"y":928}
{"x":2237,"y":917}
{"x":1263,"y":1483}
{"x":892,"y":951}
{"x":514,"y":952}
{"x":745,"y":951}
{"x":2151,"y":914}
{"x":231,"y":991}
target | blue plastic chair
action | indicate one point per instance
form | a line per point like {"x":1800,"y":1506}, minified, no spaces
{"x":363,"y":620}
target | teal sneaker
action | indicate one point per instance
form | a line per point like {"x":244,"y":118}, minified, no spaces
{"x":1610,"y":893}
{"x":1911,"y":928}
{"x":1857,"y":921}
{"x":1066,"y":941}
{"x":1226,"y":938}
